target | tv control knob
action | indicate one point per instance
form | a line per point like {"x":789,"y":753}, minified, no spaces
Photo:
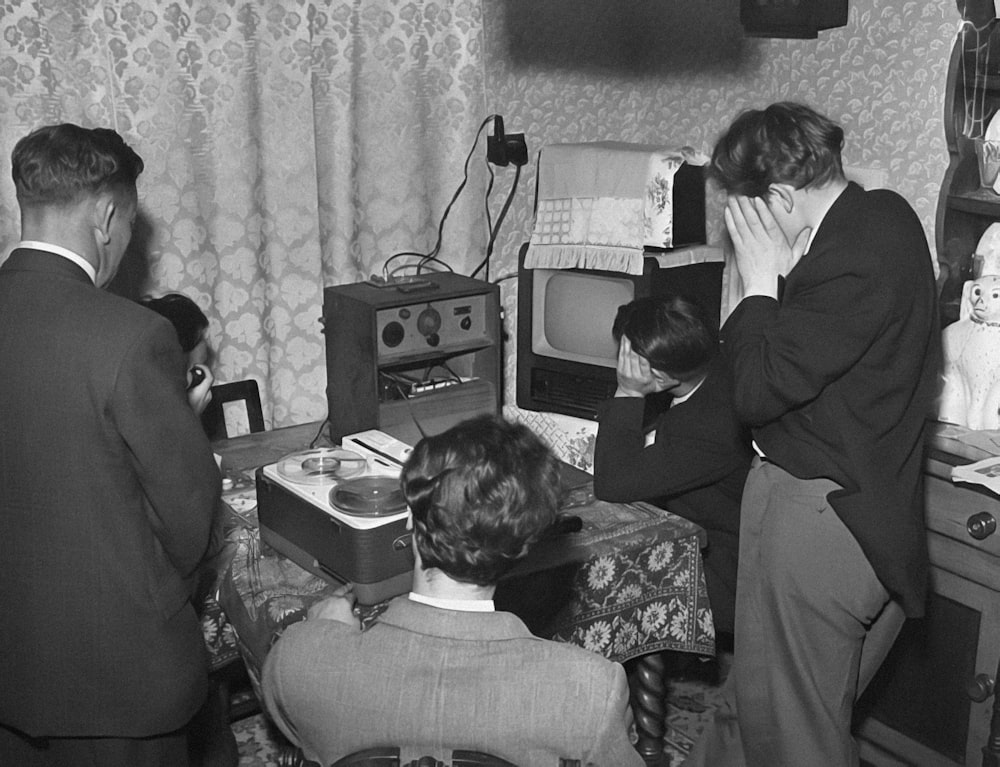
{"x":392,"y":334}
{"x":429,"y":322}
{"x":433,"y":339}
{"x":466,"y":323}
{"x":981,"y":525}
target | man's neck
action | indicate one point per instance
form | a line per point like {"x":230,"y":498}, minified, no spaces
{"x":685,"y":388}
{"x":816,"y":202}
{"x":68,"y":227}
{"x":435,"y":584}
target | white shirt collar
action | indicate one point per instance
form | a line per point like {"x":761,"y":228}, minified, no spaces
{"x":66,"y":253}
{"x":465,"y":605}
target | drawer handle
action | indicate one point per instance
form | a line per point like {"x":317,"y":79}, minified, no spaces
{"x":980,"y":687}
{"x":981,"y":525}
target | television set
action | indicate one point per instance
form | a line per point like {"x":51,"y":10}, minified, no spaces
{"x":566,"y":354}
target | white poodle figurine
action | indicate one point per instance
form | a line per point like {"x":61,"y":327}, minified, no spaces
{"x":971,"y":392}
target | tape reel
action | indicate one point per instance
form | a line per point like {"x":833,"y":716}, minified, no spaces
{"x":321,"y":466}
{"x":369,"y":496}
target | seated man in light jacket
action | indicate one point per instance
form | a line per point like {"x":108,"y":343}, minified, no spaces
{"x":440,"y":669}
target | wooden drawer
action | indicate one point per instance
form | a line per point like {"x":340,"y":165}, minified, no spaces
{"x":949,"y":508}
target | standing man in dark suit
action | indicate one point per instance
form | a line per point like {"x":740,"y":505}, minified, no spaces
{"x":440,"y":668}
{"x":108,"y":481}
{"x":695,"y":456}
{"x":837,"y":376}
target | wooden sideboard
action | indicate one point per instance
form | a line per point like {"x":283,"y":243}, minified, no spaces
{"x":933,"y":703}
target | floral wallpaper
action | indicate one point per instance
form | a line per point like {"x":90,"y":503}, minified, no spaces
{"x":676,"y":73}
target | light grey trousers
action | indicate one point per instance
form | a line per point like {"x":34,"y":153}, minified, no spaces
{"x":813,"y":624}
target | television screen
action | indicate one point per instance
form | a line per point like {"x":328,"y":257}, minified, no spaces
{"x":573,"y":313}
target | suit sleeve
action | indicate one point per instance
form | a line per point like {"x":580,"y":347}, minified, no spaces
{"x":785,"y":356}
{"x":689,"y":452}
{"x":170,"y":453}
{"x":611,"y":742}
{"x":272,"y":688}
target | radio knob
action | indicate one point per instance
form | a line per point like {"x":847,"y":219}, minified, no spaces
{"x":392,"y":334}
{"x":980,"y":687}
{"x":466,"y":323}
{"x":429,"y":322}
{"x":981,"y":525}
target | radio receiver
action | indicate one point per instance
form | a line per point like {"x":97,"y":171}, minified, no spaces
{"x":411,"y":359}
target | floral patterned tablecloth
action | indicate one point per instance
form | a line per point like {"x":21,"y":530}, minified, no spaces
{"x":630,"y":582}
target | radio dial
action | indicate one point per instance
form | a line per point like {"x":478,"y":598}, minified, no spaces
{"x":429,"y":322}
{"x":392,"y":334}
{"x":981,"y":525}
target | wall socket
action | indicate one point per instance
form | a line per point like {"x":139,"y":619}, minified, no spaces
{"x":505,"y":148}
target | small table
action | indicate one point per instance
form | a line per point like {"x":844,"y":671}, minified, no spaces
{"x":628,"y":585}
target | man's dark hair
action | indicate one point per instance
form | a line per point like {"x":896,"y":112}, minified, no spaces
{"x":672,"y":332}
{"x":786,"y":143}
{"x":55,"y":164}
{"x":186,"y":316}
{"x":481,"y":493}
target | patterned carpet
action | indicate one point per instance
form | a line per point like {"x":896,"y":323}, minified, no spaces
{"x":691,"y":697}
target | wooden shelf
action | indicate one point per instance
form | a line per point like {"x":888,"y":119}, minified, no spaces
{"x":980,"y":202}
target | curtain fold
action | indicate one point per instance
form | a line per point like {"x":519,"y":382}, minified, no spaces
{"x":288,"y":146}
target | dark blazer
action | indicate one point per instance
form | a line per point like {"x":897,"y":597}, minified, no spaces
{"x":696,"y":468}
{"x":839,"y":379}
{"x":427,"y":678}
{"x":107,"y":493}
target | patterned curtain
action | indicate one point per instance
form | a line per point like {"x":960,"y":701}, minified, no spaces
{"x":289,"y":145}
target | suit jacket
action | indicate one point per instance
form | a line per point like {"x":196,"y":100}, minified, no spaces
{"x":696,"y":468}
{"x":107,"y":493}
{"x":438,"y":679}
{"x":839,"y":379}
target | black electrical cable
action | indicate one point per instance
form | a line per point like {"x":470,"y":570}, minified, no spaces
{"x":432,"y":255}
{"x":496,"y":229}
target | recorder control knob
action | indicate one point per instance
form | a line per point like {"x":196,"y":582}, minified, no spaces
{"x":981,"y":525}
{"x":429,"y":323}
{"x":392,"y":334}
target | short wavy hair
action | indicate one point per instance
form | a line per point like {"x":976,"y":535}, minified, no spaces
{"x":184,"y":314}
{"x":56,"y":164}
{"x":672,"y":332}
{"x":481,"y":494}
{"x":786,"y":143}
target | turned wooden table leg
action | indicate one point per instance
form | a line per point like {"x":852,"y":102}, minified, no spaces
{"x":649,"y":696}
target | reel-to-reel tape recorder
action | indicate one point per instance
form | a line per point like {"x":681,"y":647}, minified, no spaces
{"x":339,"y":513}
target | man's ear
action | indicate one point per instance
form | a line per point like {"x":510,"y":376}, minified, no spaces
{"x":781,"y":194}
{"x":105,"y":209}
{"x":662,"y":381}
